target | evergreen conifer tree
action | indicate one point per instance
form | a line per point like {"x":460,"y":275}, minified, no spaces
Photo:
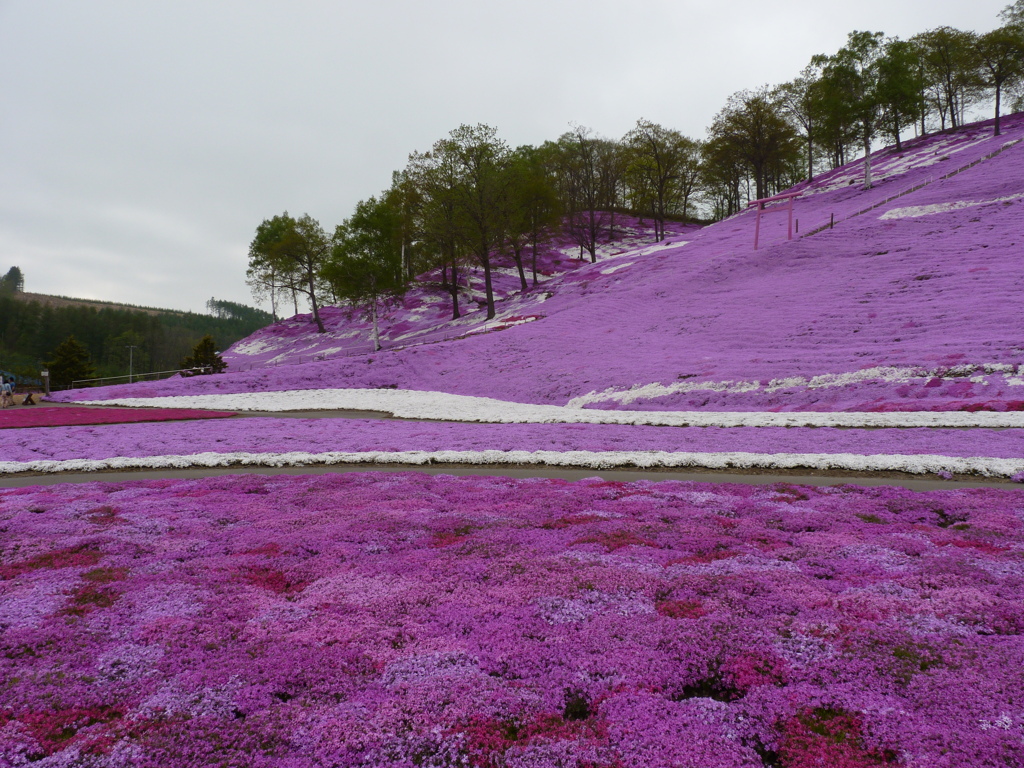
{"x":205,"y":355}
{"x":13,"y":281}
{"x":70,"y":363}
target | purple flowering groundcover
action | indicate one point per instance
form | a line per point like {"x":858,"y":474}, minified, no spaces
{"x":412,"y":620}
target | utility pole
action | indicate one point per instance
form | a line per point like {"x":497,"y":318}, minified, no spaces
{"x":131,"y":360}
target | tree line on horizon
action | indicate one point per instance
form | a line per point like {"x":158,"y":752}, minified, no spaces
{"x":109,"y":340}
{"x":471,"y":199}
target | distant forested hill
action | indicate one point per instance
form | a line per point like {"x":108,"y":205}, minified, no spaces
{"x":32,"y":325}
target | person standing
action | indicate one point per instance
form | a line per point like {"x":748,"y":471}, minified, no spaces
{"x":7,"y":396}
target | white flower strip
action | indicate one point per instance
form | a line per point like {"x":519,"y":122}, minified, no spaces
{"x":411,"y":404}
{"x":886,"y":374}
{"x":915,"y":211}
{"x":914,"y":464}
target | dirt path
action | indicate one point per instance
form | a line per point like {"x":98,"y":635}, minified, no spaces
{"x":911,"y":482}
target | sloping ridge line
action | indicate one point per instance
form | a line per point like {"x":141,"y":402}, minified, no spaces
{"x":916,"y":187}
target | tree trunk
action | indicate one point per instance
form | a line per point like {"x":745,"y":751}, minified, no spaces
{"x":998,"y":89}
{"x":454,"y":290}
{"x":376,"y":332}
{"x":485,"y":260}
{"x":867,"y":158}
{"x":517,"y":255}
{"x":592,"y":233}
{"x":533,"y":245}
{"x":312,"y":300}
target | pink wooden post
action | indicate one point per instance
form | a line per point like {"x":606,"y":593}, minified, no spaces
{"x":761,"y":204}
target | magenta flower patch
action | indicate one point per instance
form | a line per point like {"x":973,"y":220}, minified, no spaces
{"x":41,"y":416}
{"x":402,"y":619}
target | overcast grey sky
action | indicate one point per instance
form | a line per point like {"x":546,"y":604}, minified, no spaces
{"x":141,"y":143}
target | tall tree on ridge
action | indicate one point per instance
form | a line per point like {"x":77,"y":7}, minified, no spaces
{"x":1013,"y":14}
{"x":1001,"y":56}
{"x":754,"y":125}
{"x":366,"y":267}
{"x":295,"y":248}
{"x":853,"y":72}
{"x":13,"y":281}
{"x":438,"y":224}
{"x":801,"y":99}
{"x":662,"y":168}
{"x":611,"y":178}
{"x":723,"y":172}
{"x":899,"y":87}
{"x":482,"y":194}
{"x":582,"y":189}
{"x":951,"y":65}
{"x":532,"y":207}
{"x":539,"y":199}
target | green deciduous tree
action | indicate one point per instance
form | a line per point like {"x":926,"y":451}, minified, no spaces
{"x":802,"y":100}
{"x":899,"y":88}
{"x":583,"y":187}
{"x":481,"y":194}
{"x":950,"y":63}
{"x":753,"y":128}
{"x":662,"y":169}
{"x":1000,"y":54}
{"x":853,"y":75}
{"x":406,"y":199}
{"x":1013,"y":14}
{"x":437,"y":223}
{"x":723,"y":172}
{"x":532,"y":207}
{"x":366,"y":268}
{"x":288,"y":253}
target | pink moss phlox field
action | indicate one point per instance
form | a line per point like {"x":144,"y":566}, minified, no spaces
{"x":42,"y":416}
{"x":424,"y":314}
{"x":282,"y":435}
{"x":912,"y":305}
{"x":346,"y":620}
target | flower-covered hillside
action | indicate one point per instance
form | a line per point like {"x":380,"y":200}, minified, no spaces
{"x":911,"y":302}
{"x":350,"y":621}
{"x":425,"y":314}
